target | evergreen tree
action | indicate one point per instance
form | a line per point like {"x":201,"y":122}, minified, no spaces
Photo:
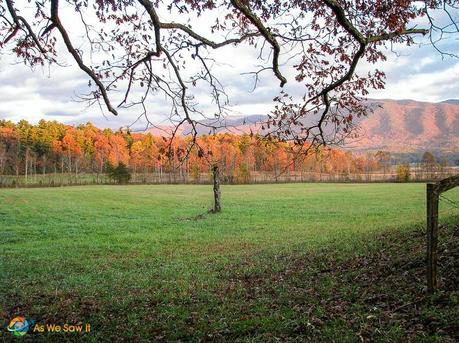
{"x":119,"y":174}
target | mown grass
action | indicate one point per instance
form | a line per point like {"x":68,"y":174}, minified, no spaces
{"x":149,"y":263}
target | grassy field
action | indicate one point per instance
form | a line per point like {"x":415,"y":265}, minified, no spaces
{"x":286,"y":262}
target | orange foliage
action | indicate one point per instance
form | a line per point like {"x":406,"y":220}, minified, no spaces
{"x":87,"y":149}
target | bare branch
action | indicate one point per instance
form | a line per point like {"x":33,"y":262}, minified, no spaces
{"x":266,"y":34}
{"x":68,"y":43}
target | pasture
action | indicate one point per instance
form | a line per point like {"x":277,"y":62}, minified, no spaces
{"x":288,"y":262}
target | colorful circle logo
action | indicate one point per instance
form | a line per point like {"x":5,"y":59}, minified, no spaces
{"x":19,"y":326}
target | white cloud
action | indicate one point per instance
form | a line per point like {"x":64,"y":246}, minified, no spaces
{"x":418,"y":72}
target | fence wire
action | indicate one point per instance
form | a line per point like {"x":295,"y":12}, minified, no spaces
{"x":451,"y":203}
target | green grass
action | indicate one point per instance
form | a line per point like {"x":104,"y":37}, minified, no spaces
{"x":142,"y":263}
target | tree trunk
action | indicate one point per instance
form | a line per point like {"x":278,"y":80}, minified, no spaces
{"x":217,"y":194}
{"x":26,"y":164}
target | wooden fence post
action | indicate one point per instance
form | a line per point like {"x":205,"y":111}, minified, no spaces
{"x":432,"y":236}
{"x":433,"y":195}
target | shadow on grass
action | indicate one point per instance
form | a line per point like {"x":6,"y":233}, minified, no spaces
{"x":376,"y":296}
{"x":375,"y":293}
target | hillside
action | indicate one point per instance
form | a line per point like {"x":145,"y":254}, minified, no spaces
{"x":408,"y":126}
{"x":395,"y":125}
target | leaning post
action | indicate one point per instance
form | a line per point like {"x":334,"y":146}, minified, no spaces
{"x":432,"y":236}
{"x":433,"y":195}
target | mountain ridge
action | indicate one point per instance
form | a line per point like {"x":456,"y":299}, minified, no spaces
{"x":409,"y":125}
{"x":394,"y":125}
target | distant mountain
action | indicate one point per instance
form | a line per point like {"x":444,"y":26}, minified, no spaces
{"x":231,"y":124}
{"x":395,"y":125}
{"x":452,"y":101}
{"x":409,"y":126}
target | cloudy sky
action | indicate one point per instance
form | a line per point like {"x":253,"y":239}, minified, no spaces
{"x":417,"y":72}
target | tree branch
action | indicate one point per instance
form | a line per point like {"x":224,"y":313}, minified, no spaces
{"x":265,"y":32}
{"x":68,"y":43}
{"x":391,"y":35}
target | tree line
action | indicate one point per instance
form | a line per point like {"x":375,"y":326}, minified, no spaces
{"x":50,"y":147}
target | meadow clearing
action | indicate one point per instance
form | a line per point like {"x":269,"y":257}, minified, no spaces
{"x":289,"y":262}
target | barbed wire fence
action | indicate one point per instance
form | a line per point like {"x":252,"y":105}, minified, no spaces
{"x":452,"y":205}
